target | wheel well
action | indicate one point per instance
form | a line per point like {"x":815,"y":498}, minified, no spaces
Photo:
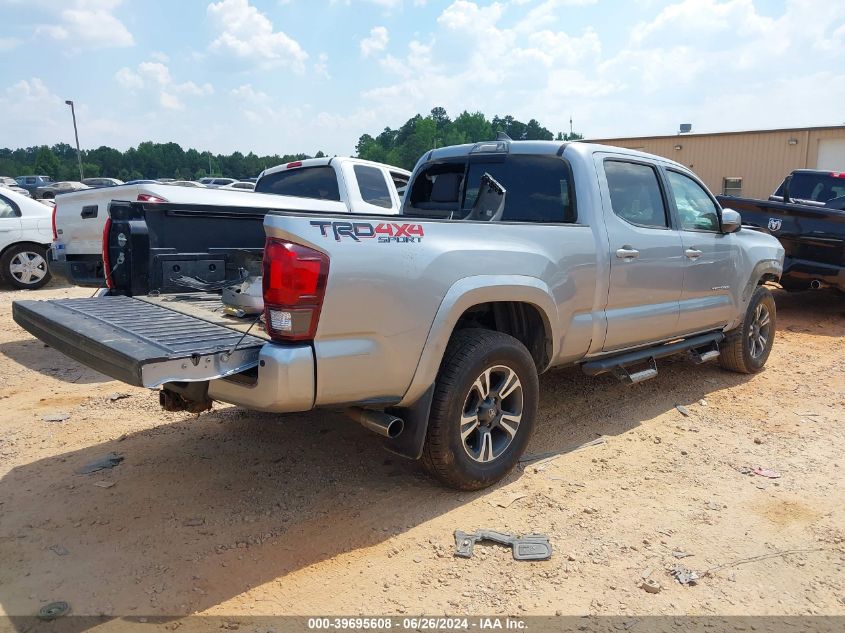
{"x":523,"y":321}
{"x":768,"y":277}
{"x":13,"y":244}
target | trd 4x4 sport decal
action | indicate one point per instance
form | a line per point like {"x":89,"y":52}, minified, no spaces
{"x":384,"y":232}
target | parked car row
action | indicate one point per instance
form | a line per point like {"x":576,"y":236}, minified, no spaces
{"x":44,"y":187}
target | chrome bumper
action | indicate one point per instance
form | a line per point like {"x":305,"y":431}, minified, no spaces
{"x":285,"y":382}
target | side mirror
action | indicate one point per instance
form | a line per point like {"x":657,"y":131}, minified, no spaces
{"x":731,"y":221}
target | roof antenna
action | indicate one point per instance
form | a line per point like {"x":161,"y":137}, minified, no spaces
{"x":502,"y":136}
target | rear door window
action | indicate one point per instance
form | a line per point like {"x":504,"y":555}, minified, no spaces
{"x":635,"y":194}
{"x":303,"y":182}
{"x":373,"y":186}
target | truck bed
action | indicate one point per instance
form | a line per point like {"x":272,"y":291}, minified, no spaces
{"x":138,"y":341}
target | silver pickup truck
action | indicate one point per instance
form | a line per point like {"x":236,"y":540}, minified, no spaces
{"x":431,"y":327}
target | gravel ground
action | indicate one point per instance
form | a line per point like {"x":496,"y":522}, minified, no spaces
{"x":234,"y":513}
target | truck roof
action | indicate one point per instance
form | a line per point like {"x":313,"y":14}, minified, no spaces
{"x":537,"y":147}
{"x":327,"y":160}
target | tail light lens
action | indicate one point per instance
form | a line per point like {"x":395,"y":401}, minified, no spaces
{"x":294,"y":284}
{"x":148,"y":197}
{"x":53,"y":221}
{"x":106,"y":258}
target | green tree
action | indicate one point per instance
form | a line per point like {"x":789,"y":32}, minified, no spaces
{"x":46,"y":163}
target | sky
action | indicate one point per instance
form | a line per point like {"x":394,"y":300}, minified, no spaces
{"x":287,"y":76}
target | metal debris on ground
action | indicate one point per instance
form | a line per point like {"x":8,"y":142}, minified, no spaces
{"x":119,"y":395}
{"x":680,"y":554}
{"x":529,"y":547}
{"x":766,"y":472}
{"x":104,"y":484}
{"x":53,"y":610}
{"x":650,"y":585}
{"x":194,"y":522}
{"x":682,"y":410}
{"x":686,"y":577}
{"x":109,"y":461}
{"x":56,"y":417}
{"x":59,"y":550}
{"x":510,"y":499}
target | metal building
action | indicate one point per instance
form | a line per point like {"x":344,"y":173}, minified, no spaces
{"x":750,"y":164}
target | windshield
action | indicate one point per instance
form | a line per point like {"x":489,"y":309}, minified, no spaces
{"x":816,"y":187}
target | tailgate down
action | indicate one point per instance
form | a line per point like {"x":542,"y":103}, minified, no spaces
{"x":139,"y":343}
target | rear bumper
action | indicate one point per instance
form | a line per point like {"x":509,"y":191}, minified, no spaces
{"x":805,"y":271}
{"x":285,"y":382}
{"x":80,"y":270}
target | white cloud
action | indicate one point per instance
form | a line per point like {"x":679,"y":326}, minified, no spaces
{"x":129,"y":79}
{"x":376,"y":42}
{"x":170,"y":102}
{"x":88,"y":24}
{"x":248,"y":35}
{"x":155,"y":71}
{"x":8,"y":43}
{"x":156,"y":77}
{"x":321,"y":66}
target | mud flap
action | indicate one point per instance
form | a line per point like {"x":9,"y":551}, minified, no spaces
{"x":410,"y":442}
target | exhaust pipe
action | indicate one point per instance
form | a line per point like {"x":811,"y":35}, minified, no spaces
{"x":384,"y":424}
{"x":816,"y":284}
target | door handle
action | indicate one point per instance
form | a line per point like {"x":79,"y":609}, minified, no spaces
{"x":626,"y":252}
{"x":693,"y":253}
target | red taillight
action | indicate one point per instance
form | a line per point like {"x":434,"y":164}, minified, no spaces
{"x":148,"y":197}
{"x":294,"y":284}
{"x":55,"y":233}
{"x":106,"y":259}
{"x":838,"y":174}
{"x":296,"y":163}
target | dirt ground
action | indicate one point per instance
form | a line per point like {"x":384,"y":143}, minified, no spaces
{"x":236,"y":513}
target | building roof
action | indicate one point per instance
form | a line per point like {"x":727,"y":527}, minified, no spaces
{"x":687,"y":134}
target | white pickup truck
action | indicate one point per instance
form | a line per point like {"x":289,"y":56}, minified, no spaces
{"x":321,"y":185}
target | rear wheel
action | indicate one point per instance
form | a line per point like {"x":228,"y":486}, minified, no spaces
{"x":484,"y":409}
{"x":747,"y":347}
{"x":24,"y":266}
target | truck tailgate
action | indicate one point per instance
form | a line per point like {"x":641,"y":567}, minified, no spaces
{"x":139,"y":343}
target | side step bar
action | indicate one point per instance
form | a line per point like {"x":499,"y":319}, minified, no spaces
{"x":702,"y":348}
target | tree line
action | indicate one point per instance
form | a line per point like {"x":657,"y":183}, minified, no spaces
{"x":401,"y":147}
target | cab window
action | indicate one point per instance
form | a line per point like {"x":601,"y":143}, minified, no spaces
{"x":696,"y":209}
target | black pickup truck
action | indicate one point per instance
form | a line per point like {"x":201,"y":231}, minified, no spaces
{"x":807,"y":214}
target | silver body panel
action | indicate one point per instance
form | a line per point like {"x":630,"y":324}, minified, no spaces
{"x":390,"y":308}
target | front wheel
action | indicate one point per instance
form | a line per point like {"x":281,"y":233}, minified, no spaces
{"x":484,"y":409}
{"x":24,"y":266}
{"x":747,"y":347}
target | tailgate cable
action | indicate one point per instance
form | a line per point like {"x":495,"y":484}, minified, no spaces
{"x":226,"y":355}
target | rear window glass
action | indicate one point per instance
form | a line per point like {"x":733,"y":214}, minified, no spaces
{"x":305,"y":182}
{"x":539,"y":188}
{"x":373,"y":186}
{"x":817,"y":187}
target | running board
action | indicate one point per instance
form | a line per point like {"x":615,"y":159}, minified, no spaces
{"x":703,"y":348}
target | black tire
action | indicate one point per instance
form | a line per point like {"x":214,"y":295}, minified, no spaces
{"x":21,"y":281}
{"x":469,"y":355}
{"x":741,"y":350}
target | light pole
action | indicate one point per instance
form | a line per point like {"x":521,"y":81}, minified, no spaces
{"x":76,"y":134}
